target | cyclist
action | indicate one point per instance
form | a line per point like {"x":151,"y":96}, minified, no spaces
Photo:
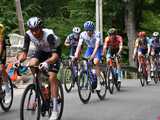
{"x":47,"y":54}
{"x":154,"y":47}
{"x":72,"y":40}
{"x":2,"y":56}
{"x":93,"y":41}
{"x":141,"y":49}
{"x":113,"y":45}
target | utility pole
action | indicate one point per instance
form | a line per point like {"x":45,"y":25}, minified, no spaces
{"x":99,"y":17}
{"x":20,"y":17}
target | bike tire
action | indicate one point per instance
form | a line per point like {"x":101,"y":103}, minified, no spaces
{"x":60,"y":99}
{"x":102,"y":94}
{"x":156,"y":77}
{"x":28,"y":88}
{"x":84,"y":84}
{"x":68,"y":79}
{"x":7,"y":108}
{"x":141,"y":78}
{"x":110,"y":80}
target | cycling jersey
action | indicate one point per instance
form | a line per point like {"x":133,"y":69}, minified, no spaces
{"x":44,"y":47}
{"x":3,"y":54}
{"x":90,"y":41}
{"x":114,"y":44}
{"x":142,"y":43}
{"x":72,"y":39}
{"x":48,"y":43}
{"x":155,"y":43}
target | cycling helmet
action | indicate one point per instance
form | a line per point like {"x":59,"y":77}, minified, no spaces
{"x":112,"y":31}
{"x":89,"y":26}
{"x":34,"y":22}
{"x":142,"y":34}
{"x":155,"y":34}
{"x":76,"y":30}
{"x":1,"y":29}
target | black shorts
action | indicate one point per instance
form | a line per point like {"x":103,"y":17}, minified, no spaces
{"x":157,"y":50}
{"x":114,"y":51}
{"x":42,"y":56}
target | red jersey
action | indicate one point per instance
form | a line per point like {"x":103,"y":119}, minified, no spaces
{"x":113,"y":43}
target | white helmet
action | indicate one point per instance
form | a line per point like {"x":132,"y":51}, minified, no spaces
{"x":155,"y":34}
{"x":34,"y":22}
{"x":76,"y":30}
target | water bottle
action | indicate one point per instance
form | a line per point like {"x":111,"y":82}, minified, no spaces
{"x":94,"y":80}
{"x":45,"y":92}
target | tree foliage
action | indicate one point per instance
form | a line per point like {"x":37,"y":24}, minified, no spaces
{"x":63,"y":15}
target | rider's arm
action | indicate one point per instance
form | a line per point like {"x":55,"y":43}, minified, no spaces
{"x":1,"y":45}
{"x":105,"y":46}
{"x":95,"y":49}
{"x":23,"y":54}
{"x":78,"y":49}
{"x":149,"y":45}
{"x":120,"y":45}
{"x":67,"y":41}
{"x":135,"y":48}
{"x":1,"y":40}
{"x":55,"y":56}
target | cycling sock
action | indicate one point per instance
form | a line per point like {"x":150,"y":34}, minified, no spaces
{"x":119,"y":74}
{"x":55,"y":104}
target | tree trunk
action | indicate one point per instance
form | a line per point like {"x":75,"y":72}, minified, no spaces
{"x":20,"y":17}
{"x":130,"y":27}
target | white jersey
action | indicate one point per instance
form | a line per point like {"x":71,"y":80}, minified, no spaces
{"x":90,"y":41}
{"x":43,"y":44}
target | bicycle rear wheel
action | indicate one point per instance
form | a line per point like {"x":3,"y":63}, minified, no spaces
{"x":102,"y":93}
{"x":156,"y":77}
{"x":84,"y":87}
{"x":7,"y":100}
{"x":30,"y":106}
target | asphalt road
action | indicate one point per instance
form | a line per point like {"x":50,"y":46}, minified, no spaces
{"x":132,"y":103}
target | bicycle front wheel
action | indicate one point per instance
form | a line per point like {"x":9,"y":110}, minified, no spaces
{"x":30,"y":106}
{"x":7,"y":88}
{"x":84,"y":87}
{"x":110,"y":80}
{"x":60,"y":100}
{"x":68,"y":79}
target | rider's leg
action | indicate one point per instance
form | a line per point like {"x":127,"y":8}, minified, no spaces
{"x":54,"y":94}
{"x":140,"y":59}
{"x":152,"y":59}
{"x":96,"y":61}
{"x":148,"y":70}
{"x":119,"y":70}
{"x":1,"y":74}
{"x":53,"y":70}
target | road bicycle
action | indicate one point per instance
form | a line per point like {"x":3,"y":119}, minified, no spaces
{"x":36,"y":100}
{"x":87,"y":82}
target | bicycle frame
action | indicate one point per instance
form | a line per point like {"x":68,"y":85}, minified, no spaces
{"x":88,"y":70}
{"x":37,"y":84}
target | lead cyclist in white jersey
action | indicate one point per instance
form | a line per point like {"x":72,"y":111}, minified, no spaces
{"x":93,"y":41}
{"x":47,"y":55}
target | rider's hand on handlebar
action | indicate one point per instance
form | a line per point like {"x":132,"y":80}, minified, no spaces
{"x":44,"y":66}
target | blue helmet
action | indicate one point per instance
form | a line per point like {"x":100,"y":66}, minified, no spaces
{"x":89,"y":26}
